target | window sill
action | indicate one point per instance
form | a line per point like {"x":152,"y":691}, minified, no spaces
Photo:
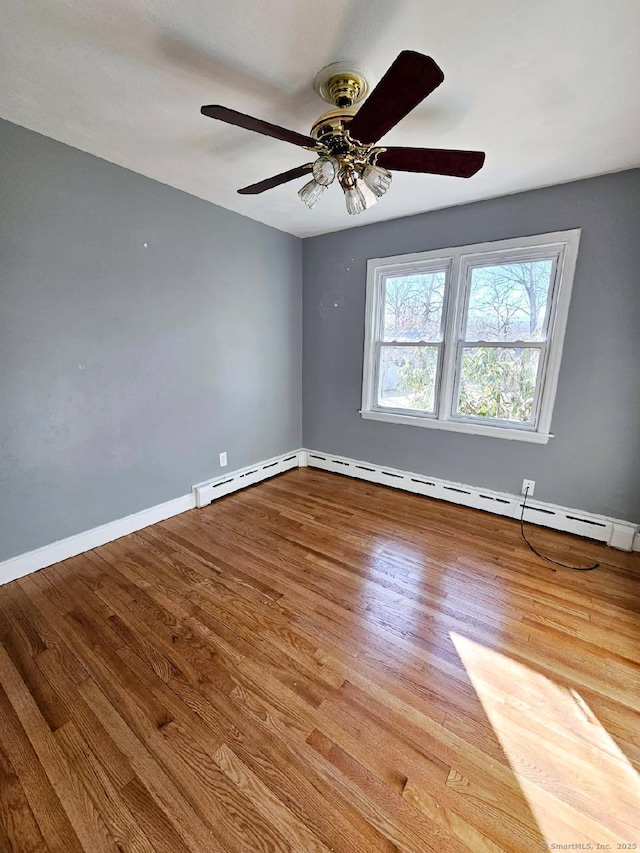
{"x":458,"y":426}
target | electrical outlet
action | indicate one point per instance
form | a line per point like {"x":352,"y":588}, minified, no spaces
{"x":223,"y":459}
{"x":528,"y":487}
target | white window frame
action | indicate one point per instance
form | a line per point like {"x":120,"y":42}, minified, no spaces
{"x":559,"y":246}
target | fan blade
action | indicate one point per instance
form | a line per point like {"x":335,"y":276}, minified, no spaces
{"x":257,"y":125}
{"x":411,"y":77}
{"x":434,"y":161}
{"x":276,"y":180}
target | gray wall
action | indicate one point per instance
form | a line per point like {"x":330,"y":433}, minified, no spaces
{"x":593,"y":463}
{"x":124,"y":371}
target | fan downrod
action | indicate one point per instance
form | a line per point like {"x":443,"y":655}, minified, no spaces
{"x":341,"y":84}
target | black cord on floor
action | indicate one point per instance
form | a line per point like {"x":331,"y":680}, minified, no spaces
{"x":542,"y":556}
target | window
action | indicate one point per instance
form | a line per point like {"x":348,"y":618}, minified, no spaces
{"x":469,"y":339}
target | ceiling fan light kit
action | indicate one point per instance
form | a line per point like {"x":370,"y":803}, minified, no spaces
{"x":345,"y":138}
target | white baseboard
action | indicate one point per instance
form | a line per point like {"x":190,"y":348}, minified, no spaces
{"x":613,"y":531}
{"x":24,"y":564}
{"x":201,"y":495}
{"x":236,"y":480}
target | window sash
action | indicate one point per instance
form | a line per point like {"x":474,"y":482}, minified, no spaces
{"x":376,"y":330}
{"x":541,"y":346}
{"x":483,"y":259}
{"x":420,"y":413}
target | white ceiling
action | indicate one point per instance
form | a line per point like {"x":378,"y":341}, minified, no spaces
{"x":549,"y":89}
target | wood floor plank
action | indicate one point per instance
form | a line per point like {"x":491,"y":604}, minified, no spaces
{"x":18,"y":826}
{"x":274,"y":760}
{"x":267,"y":803}
{"x":320,"y":664}
{"x":151,"y":819}
{"x":47,"y":809}
{"x":157,"y":783}
{"x":79,"y":809}
{"x":119,"y":820}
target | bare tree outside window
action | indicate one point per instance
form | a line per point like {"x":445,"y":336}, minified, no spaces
{"x":508,"y":302}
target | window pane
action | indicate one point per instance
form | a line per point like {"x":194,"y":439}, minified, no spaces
{"x":498,"y":382}
{"x":508,"y":302}
{"x":407,"y":378}
{"x":413,"y":307}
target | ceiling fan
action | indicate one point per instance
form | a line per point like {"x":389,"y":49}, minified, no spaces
{"x":344,"y":138}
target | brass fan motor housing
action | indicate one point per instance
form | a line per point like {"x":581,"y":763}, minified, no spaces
{"x":332,"y":130}
{"x":332,"y":124}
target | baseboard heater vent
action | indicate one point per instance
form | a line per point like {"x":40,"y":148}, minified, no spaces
{"x":211,"y":490}
{"x":545,"y":511}
{"x":222,"y":483}
{"x":587,"y":521}
{"x":615,"y":532}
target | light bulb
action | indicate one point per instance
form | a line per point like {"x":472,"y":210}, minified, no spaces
{"x":311,"y":192}
{"x":377,"y":179}
{"x":325,"y":170}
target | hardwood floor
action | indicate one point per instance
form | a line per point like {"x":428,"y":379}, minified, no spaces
{"x":319,"y":664}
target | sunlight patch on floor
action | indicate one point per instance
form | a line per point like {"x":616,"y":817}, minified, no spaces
{"x":579,"y":785}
